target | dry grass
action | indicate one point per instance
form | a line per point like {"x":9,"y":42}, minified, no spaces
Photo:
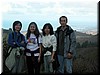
{"x":87,"y":61}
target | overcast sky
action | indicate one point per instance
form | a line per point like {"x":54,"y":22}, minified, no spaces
{"x":82,"y":14}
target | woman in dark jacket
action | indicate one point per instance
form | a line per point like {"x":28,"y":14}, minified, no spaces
{"x":16,"y":41}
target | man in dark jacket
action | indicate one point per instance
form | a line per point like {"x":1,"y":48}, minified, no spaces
{"x":66,"y":43}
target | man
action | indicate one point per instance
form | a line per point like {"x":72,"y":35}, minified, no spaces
{"x":66,"y":43}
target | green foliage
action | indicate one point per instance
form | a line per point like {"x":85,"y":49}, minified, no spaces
{"x":78,"y":45}
{"x":5,"y":50}
{"x":5,"y":46}
{"x":86,"y":44}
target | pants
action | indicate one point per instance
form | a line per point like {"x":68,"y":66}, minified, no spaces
{"x":47,"y":65}
{"x":64,"y":62}
{"x":33,"y":65}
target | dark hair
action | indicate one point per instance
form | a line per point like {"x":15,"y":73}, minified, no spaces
{"x":29,"y":32}
{"x":50,"y":27}
{"x":63,"y":17}
{"x":15,"y":23}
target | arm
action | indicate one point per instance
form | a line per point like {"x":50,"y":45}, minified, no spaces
{"x":23,"y":41}
{"x":11,"y":41}
{"x":72,"y":50}
{"x":40,"y":47}
{"x":72,"y":42}
{"x":54,"y":43}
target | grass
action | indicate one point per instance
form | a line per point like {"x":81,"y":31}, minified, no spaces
{"x":87,"y":61}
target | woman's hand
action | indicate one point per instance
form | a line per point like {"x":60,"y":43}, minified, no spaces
{"x":39,"y":59}
{"x":69,"y":55}
{"x":52,"y":59}
{"x":22,"y":42}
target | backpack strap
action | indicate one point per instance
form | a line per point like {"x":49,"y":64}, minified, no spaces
{"x":37,"y":41}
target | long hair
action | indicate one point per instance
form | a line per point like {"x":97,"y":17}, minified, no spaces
{"x":36,"y":32}
{"x":50,"y":27}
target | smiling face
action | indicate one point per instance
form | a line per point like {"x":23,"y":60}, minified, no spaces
{"x":17,"y":27}
{"x":47,"y":30}
{"x":63,"y":21}
{"x":32,"y":28}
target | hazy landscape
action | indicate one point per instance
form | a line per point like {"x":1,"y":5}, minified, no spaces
{"x":87,"y":60}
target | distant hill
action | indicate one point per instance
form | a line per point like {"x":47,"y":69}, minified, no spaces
{"x":81,"y":37}
{"x":81,"y":34}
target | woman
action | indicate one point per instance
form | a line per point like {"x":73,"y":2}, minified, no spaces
{"x":33,"y":49}
{"x":49,"y":47}
{"x":16,"y":40}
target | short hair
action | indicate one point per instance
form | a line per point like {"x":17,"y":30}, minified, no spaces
{"x":50,"y":27}
{"x":63,"y":17}
{"x":15,"y":23}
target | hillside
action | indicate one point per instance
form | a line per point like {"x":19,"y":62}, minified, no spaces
{"x":87,"y":58}
{"x":81,"y":37}
{"x":81,"y":34}
{"x":87,"y":61}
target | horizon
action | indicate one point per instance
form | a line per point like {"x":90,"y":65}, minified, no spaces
{"x":89,"y":33}
{"x":82,"y":15}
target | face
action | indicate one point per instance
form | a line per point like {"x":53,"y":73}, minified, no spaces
{"x":63,"y":21}
{"x":32,"y":28}
{"x":47,"y":30}
{"x":17,"y":27}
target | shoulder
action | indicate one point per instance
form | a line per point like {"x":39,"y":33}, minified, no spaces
{"x":70,"y":29}
{"x":58,"y":29}
{"x":39,"y":37}
{"x":53,"y":36}
{"x":22,"y":35}
{"x":11,"y":33}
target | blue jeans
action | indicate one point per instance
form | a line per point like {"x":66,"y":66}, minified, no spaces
{"x":47,"y":65}
{"x":64,"y":62}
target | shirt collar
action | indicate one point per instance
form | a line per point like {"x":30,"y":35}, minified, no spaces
{"x":62,"y":28}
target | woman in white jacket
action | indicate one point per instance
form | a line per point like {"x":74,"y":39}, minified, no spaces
{"x":49,"y":44}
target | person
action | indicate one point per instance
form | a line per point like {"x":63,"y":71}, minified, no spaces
{"x":16,"y":41}
{"x":49,"y":44}
{"x":66,"y":44}
{"x":33,"y":49}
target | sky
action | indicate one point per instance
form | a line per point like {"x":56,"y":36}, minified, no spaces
{"x":82,"y":14}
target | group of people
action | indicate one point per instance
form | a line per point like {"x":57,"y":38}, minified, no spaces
{"x":48,"y":48}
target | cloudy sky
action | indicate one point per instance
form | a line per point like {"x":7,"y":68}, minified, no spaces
{"x":82,"y":14}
